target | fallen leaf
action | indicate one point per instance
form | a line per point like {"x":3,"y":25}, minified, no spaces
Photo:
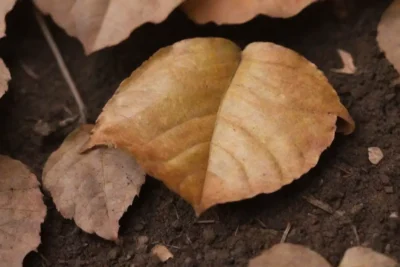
{"x":289,"y":255}
{"x":276,"y":114}
{"x":98,"y":24}
{"x":5,"y":77}
{"x":375,"y":155}
{"x":5,"y":7}
{"x":162,"y":252}
{"x":388,"y":38}
{"x":239,"y":11}
{"x":348,"y":63}
{"x":22,"y":212}
{"x":366,"y":257}
{"x":95,"y":188}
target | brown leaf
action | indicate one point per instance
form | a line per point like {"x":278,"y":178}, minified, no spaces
{"x":95,"y":188}
{"x":348,"y":63}
{"x":276,"y":115}
{"x":388,"y":37}
{"x":5,"y":7}
{"x":22,"y":212}
{"x":366,"y":257}
{"x":5,"y":77}
{"x":239,"y":11}
{"x":289,"y":255}
{"x":98,"y":24}
{"x":162,"y":252}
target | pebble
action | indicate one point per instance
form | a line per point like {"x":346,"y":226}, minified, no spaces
{"x":209,"y":235}
{"x":138,"y":227}
{"x":141,"y":243}
{"x":385,"y":179}
{"x":177,"y":225}
{"x":113,"y":253}
{"x":388,"y":189}
{"x":188,"y":262}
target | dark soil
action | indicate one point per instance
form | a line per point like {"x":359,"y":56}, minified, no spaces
{"x":344,"y":178}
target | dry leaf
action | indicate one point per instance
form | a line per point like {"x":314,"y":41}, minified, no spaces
{"x":162,"y":252}
{"x":289,"y":255}
{"x":5,"y":77}
{"x":239,"y":11}
{"x":348,"y":63}
{"x":276,"y":116}
{"x":95,"y":188}
{"x":388,"y":37}
{"x":22,"y":212}
{"x":366,"y":257}
{"x":375,"y":155}
{"x":5,"y":7}
{"x":98,"y":24}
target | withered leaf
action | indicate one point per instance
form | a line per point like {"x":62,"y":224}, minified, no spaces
{"x":162,"y":252}
{"x":216,"y":124}
{"x":366,"y":257}
{"x":289,"y":255}
{"x":388,"y":37}
{"x":22,"y":212}
{"x":5,"y":7}
{"x":348,"y":63}
{"x":239,"y":11}
{"x":98,"y":24}
{"x":5,"y":77}
{"x":95,"y":188}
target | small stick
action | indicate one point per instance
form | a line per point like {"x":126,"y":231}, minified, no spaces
{"x":29,"y":71}
{"x":261,"y":223}
{"x":356,"y":234}
{"x":286,"y":233}
{"x":319,"y":204}
{"x":61,"y":64}
{"x":237,"y":229}
{"x":206,"y":222}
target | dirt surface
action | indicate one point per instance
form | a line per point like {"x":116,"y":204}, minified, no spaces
{"x":344,"y":178}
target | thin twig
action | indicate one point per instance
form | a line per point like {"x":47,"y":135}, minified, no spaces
{"x":286,"y":233}
{"x":261,"y":223}
{"x":319,"y":204}
{"x":61,"y":64}
{"x":29,"y":71}
{"x":356,"y":234}
{"x":237,"y":229}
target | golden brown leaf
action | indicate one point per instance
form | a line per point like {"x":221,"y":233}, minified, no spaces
{"x":366,"y":257}
{"x":94,"y":189}
{"x":289,"y":255}
{"x":388,"y":37}
{"x":22,"y":211}
{"x":5,"y":77}
{"x":276,"y":115}
{"x":98,"y":24}
{"x":5,"y":7}
{"x":240,"y":11}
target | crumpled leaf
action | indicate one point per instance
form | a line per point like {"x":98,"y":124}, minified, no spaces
{"x":98,"y":24}
{"x":22,"y":211}
{"x":5,"y":77}
{"x":95,"y":188}
{"x":388,"y":37}
{"x":162,"y":252}
{"x":289,"y":255}
{"x":5,"y":7}
{"x":366,"y":257}
{"x":275,"y":117}
{"x":240,"y":11}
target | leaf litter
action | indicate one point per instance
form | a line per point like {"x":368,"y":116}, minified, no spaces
{"x":22,"y":212}
{"x":94,"y":188}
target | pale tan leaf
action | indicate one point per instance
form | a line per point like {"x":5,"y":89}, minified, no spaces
{"x":289,"y":255}
{"x":102,"y":23}
{"x":275,"y":118}
{"x":22,"y":211}
{"x":5,"y":77}
{"x":388,"y":37}
{"x":366,"y":257}
{"x":162,"y":252}
{"x":375,"y":155}
{"x":240,"y":11}
{"x":95,"y":188}
{"x":5,"y":7}
{"x":348,"y":63}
